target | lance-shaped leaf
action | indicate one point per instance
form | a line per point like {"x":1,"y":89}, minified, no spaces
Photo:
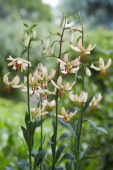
{"x":66,"y":156}
{"x":67,"y":126}
{"x":39,"y":157}
{"x":63,"y":136}
{"x":59,"y":151}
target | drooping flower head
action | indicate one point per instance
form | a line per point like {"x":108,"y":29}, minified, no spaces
{"x":18,"y":63}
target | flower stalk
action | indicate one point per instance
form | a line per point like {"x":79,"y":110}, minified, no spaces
{"x":28,"y":100}
{"x":81,"y":116}
{"x":57,"y":91}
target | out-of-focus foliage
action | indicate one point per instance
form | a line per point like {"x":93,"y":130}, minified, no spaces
{"x":95,"y":11}
{"x":33,"y":10}
{"x":13,"y":14}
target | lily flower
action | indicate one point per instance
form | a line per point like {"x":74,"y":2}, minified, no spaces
{"x":49,"y":105}
{"x":42,"y":73}
{"x":18,"y":63}
{"x":67,"y":67}
{"x":102,"y":67}
{"x":66,"y":116}
{"x":79,"y":47}
{"x":60,"y":85}
{"x":38,"y":112}
{"x":84,"y":51}
{"x":14,"y":83}
{"x":82,"y":98}
{"x":95,"y":101}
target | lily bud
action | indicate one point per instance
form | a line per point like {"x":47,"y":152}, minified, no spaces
{"x":71,"y":38}
{"x":62,"y":22}
{"x":26,"y":41}
{"x":33,"y":34}
{"x":69,"y":19}
{"x":45,"y":44}
{"x":88,"y":72}
{"x":25,"y":36}
{"x":50,"y":51}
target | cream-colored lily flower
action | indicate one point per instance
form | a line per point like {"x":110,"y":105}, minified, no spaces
{"x":79,"y":47}
{"x":60,"y":86}
{"x":18,"y":63}
{"x":49,"y":105}
{"x":95,"y":101}
{"x":44,"y":92}
{"x":67,"y":67}
{"x":102,"y":67}
{"x":66,"y":116}
{"x":82,"y":98}
{"x":14,"y":83}
{"x":39,"y":112}
{"x":42,"y":73}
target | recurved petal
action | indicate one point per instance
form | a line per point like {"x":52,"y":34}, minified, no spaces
{"x":79,"y":44}
{"x":54,"y":84}
{"x":101,"y":62}
{"x":89,"y":48}
{"x":66,"y":58}
{"x":95,"y":68}
{"x":74,"y":70}
{"x":75,"y":48}
{"x":63,"y":111}
{"x":15,"y":81}
{"x":75,"y":62}
{"x":51,"y":76}
{"x":108,"y":64}
{"x":5,"y":79}
{"x":59,"y":81}
{"x":99,"y":98}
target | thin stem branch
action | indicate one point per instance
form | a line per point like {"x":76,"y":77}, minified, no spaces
{"x":55,"y":135}
{"x":28,"y":102}
{"x":81,"y":116}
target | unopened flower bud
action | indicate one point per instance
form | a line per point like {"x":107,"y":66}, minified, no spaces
{"x":50,"y":51}
{"x":26,"y":41}
{"x":62,"y":22}
{"x":69,"y":19}
{"x":33,"y":34}
{"x":45,"y":44}
{"x":88,"y":72}
{"x":25,"y":36}
{"x":71,"y":38}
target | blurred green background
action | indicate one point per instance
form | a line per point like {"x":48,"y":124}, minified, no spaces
{"x":98,"y":22}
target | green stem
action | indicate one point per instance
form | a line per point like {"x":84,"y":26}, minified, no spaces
{"x":28,"y":102}
{"x":81,"y":116}
{"x":55,"y":135}
{"x":41,"y":133}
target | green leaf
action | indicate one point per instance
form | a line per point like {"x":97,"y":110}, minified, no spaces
{"x":26,"y":25}
{"x":54,"y":125}
{"x":39,"y":157}
{"x":58,"y":34}
{"x":53,"y":55}
{"x":59,"y":168}
{"x":67,"y":126}
{"x":21,"y":164}
{"x":102,"y":130}
{"x":59,"y":151}
{"x":64,"y":135}
{"x":93,"y":124}
{"x":73,"y":110}
{"x":38,"y":123}
{"x":25,"y":134}
{"x":66,"y":156}
{"x":34,"y":25}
